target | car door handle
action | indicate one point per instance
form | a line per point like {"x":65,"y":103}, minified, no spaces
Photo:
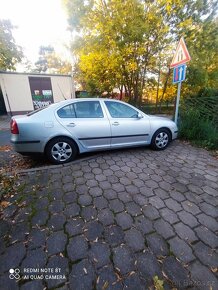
{"x":115,"y":123}
{"x":71,"y":125}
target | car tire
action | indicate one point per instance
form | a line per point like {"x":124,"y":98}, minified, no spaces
{"x":61,"y":150}
{"x":161,"y":139}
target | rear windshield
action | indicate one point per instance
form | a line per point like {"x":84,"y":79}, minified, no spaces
{"x":36,"y":111}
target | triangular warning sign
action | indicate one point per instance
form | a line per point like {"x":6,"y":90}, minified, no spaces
{"x":181,"y":55}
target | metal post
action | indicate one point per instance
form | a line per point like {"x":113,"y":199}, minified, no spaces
{"x":177,"y":102}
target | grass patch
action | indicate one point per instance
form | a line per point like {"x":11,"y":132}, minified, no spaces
{"x":199,"y":131}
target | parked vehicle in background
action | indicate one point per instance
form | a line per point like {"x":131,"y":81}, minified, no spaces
{"x":65,"y":129}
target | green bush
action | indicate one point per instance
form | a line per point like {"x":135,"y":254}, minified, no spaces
{"x":200,"y":131}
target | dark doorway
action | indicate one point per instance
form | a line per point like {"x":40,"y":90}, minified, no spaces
{"x":2,"y":104}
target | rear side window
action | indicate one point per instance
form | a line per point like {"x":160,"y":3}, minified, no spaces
{"x":88,"y":109}
{"x":85,"y":109}
{"x":67,"y":112}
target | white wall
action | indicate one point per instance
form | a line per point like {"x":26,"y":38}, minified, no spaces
{"x":16,"y":89}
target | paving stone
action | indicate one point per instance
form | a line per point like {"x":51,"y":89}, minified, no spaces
{"x":206,"y":236}
{"x":185,"y":232}
{"x":36,"y":238}
{"x":180,"y":187}
{"x":202,"y":277}
{"x":177,"y":196}
{"x":118,"y":187}
{"x":56,"y":243}
{"x":134,"y":282}
{"x":34,"y":259}
{"x":151,"y":212}
{"x":12,"y":257}
{"x":164,"y":228}
{"x":209,"y":209}
{"x":206,"y":255}
{"x":176,"y":273}
{"x":99,"y":254}
{"x":156,"y":202}
{"x":181,"y":250}
{"x":124,"y":196}
{"x":114,"y":235}
{"x":208,"y":222}
{"x":191,"y":207}
{"x":40,"y":218}
{"x":72,"y":210}
{"x":56,"y":222}
{"x":56,"y":206}
{"x":169,"y":215}
{"x":42,"y":203}
{"x":140,"y":200}
{"x":75,"y":226}
{"x":77,"y":248}
{"x":95,"y":191}
{"x":106,"y":217}
{"x":19,"y":232}
{"x":123,"y":260}
{"x":107,"y":279}
{"x":146,"y":191}
{"x":148,"y":266}
{"x":110,"y":194}
{"x":85,"y":200}
{"x":133,"y":209}
{"x":60,"y":263}
{"x":82,"y":276}
{"x":100,"y":202}
{"x":173,"y":204}
{"x":124,"y":220}
{"x":116,"y":205}
{"x":188,"y":219}
{"x":32,"y":285}
{"x":93,"y":230}
{"x":157,"y":245}
{"x":161,"y":193}
{"x":88,"y":213}
{"x":210,"y":191}
{"x":143,"y":224}
{"x":134,"y":240}
{"x":70,"y":197}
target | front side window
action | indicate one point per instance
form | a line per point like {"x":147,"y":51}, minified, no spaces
{"x":119,"y":110}
{"x":88,"y":109}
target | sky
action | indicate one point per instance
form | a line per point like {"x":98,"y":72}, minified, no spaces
{"x":39,"y":22}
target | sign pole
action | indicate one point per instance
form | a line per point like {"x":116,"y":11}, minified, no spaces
{"x":177,"y":102}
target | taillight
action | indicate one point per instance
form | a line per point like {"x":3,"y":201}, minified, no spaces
{"x":14,"y":127}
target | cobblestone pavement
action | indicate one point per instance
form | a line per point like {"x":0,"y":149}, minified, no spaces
{"x":130,"y":219}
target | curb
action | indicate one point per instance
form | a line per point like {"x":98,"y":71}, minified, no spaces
{"x":24,"y":171}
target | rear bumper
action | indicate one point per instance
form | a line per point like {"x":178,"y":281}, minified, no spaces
{"x":34,"y":146}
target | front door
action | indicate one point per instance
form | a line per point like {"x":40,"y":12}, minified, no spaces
{"x":127,"y":129}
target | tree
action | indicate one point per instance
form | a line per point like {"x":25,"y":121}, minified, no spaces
{"x":120,"y":41}
{"x":50,"y":61}
{"x":10,"y":53}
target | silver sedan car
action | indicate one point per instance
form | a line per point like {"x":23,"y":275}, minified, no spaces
{"x":67,"y":128}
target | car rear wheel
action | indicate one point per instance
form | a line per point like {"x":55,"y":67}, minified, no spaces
{"x":161,"y":139}
{"x":61,"y":150}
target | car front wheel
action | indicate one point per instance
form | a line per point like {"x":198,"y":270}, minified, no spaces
{"x":161,"y":139}
{"x":61,"y":150}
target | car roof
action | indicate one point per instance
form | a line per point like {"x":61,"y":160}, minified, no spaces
{"x":65,"y":102}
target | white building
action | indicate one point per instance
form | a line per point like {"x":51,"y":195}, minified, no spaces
{"x":24,"y":92}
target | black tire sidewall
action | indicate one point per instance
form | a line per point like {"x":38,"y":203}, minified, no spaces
{"x":153,"y":144}
{"x":57,"y":140}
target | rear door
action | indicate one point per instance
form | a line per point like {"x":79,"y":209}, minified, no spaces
{"x":127,"y":129}
{"x":87,"y":122}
